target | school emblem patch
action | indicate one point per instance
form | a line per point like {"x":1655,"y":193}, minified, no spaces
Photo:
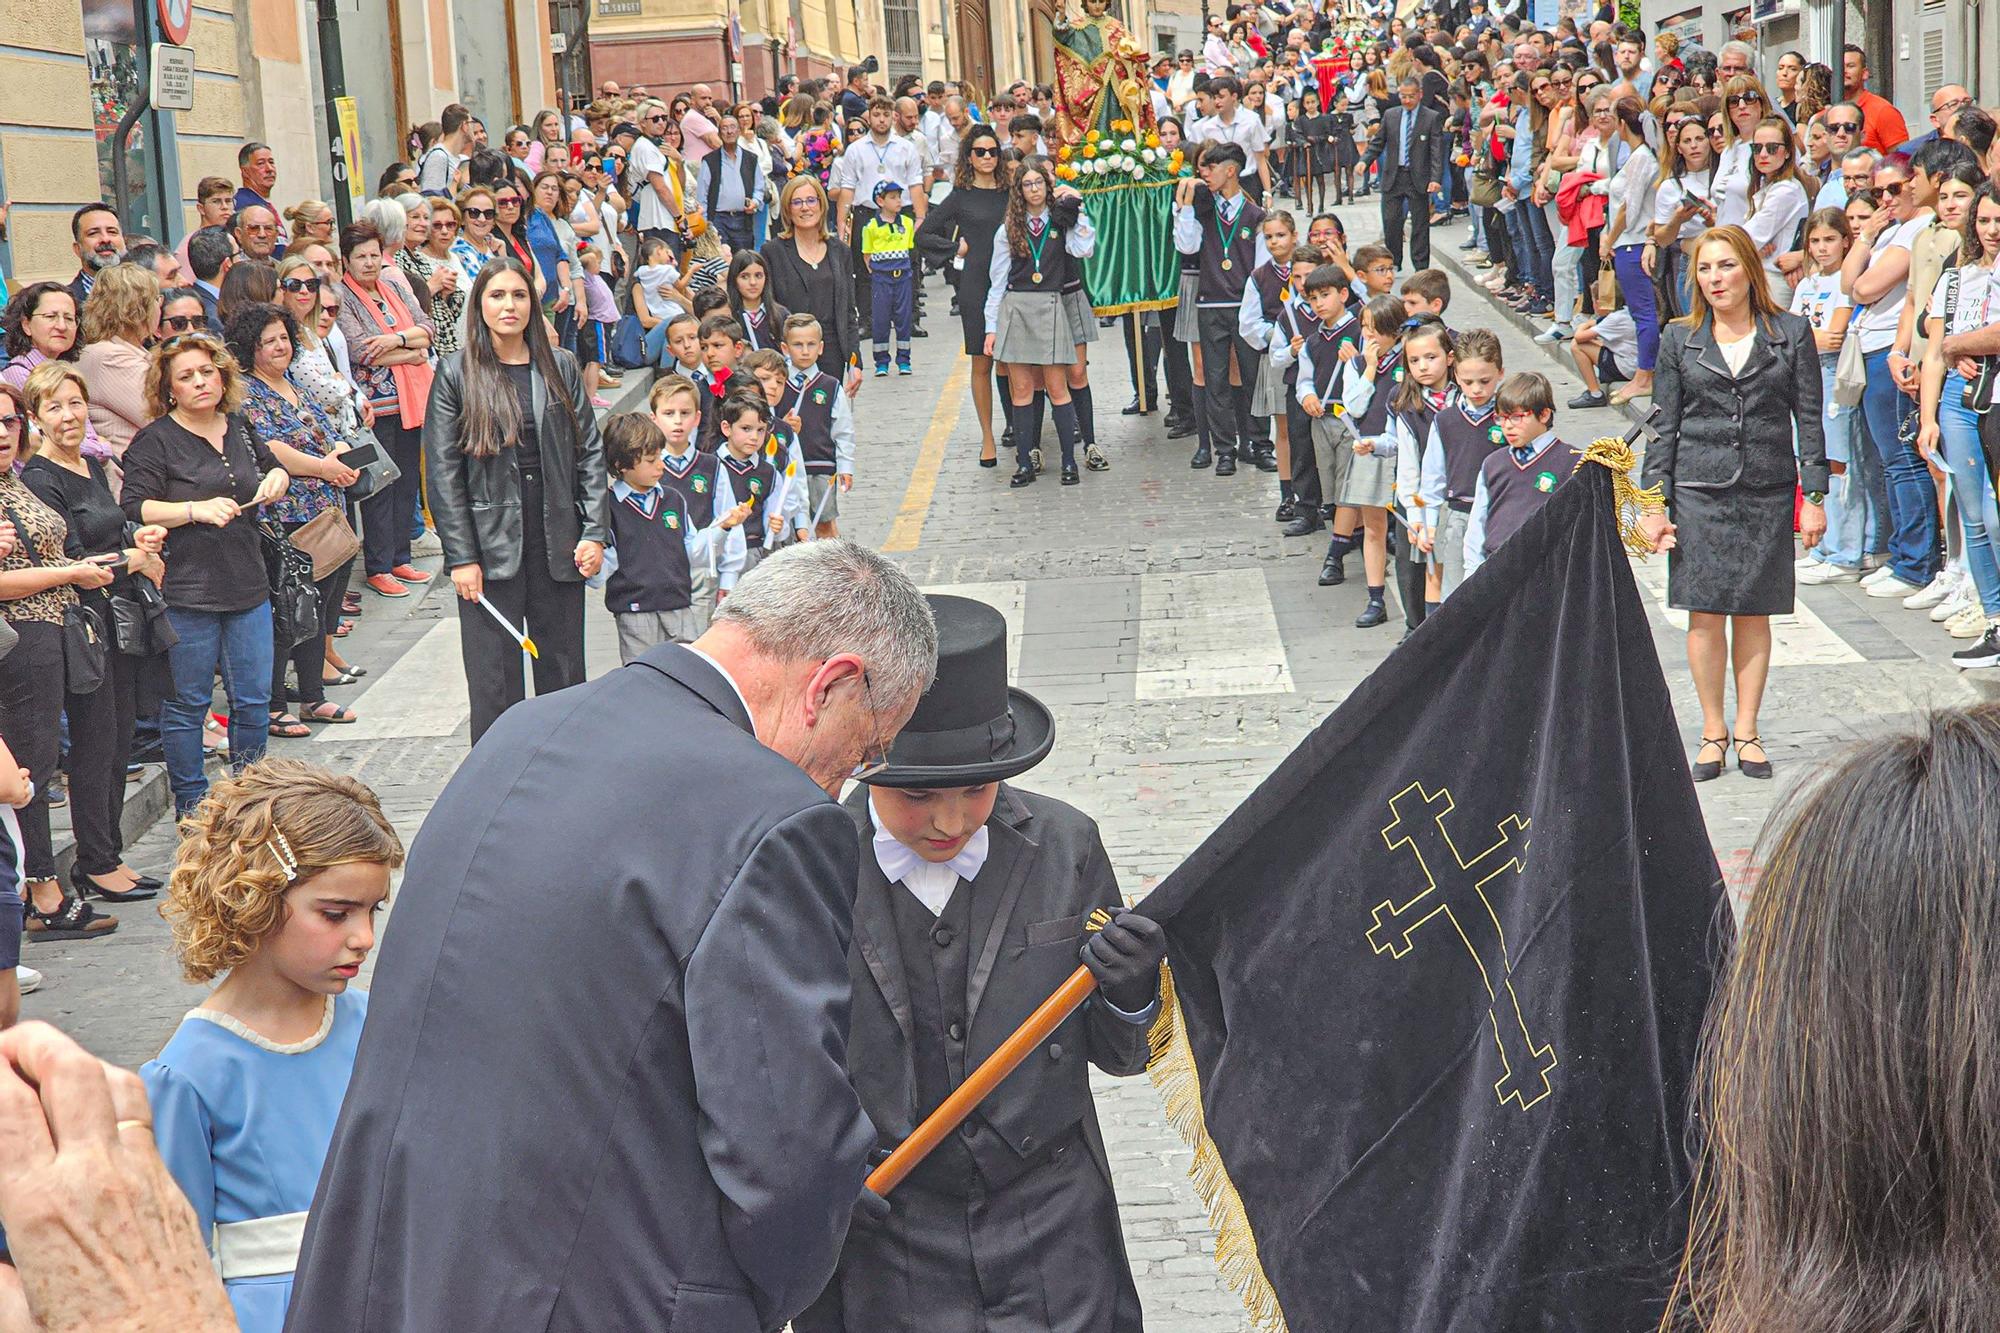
{"x":756,"y":485}
{"x":672,"y":520}
{"x":1397,"y":374}
{"x":1494,"y":433}
{"x":1545,"y":482}
{"x":700,"y":485}
{"x":819,"y":396}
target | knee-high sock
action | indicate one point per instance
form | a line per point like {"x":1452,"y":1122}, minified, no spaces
{"x":1001,"y":393}
{"x":1024,"y":433}
{"x":1035,"y":417}
{"x":1066,"y":430}
{"x":1086,"y":419}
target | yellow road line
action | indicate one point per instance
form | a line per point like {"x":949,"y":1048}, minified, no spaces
{"x":908,"y":529}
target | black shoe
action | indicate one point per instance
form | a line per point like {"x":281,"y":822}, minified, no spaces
{"x":1132,"y":409}
{"x":1069,"y":474}
{"x":1984,"y":653}
{"x":989,"y":462}
{"x":1752,"y":768}
{"x":1287,"y":511}
{"x":1333,"y":572}
{"x":1203,"y":456}
{"x":1022,"y":476}
{"x":1266,"y":458}
{"x":1182,"y":429}
{"x":1583,"y":400}
{"x":1303,"y":526}
{"x":1709,"y":770}
{"x":919,"y":332}
{"x":1372,"y":615}
{"x":1007,"y":439}
{"x":1225,"y":462}
{"x":82,"y":886}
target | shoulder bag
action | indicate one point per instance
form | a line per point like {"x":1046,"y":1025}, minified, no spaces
{"x":328,"y":538}
{"x":1850,"y":373}
{"x":82,"y":631}
{"x":294,"y":599}
{"x":139,"y":623}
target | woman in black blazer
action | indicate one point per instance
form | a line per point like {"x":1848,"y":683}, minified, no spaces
{"x":1737,"y":382}
{"x":517,"y":487}
{"x":809,"y":276}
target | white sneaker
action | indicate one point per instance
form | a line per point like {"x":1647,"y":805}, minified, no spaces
{"x":1819,"y":574}
{"x":1874,"y":562}
{"x":1875,"y":574}
{"x":427,"y":544}
{"x":1960,"y":598}
{"x":1807,"y":561}
{"x":28,"y":979}
{"x":1554,"y":333}
{"x":1890,"y":587}
{"x":1937,"y":590}
{"x":1967,"y":624}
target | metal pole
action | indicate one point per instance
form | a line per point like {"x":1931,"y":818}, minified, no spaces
{"x":1836,"y":35}
{"x":334,"y":77}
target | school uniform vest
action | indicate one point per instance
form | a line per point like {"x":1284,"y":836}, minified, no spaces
{"x":752,"y":479}
{"x":1417,"y":421}
{"x":1224,"y":286}
{"x":1270,"y":284}
{"x":1058,"y":270}
{"x":937,"y":963}
{"x":652,"y":573}
{"x":1514,"y":491}
{"x":757,"y":331}
{"x":1294,"y":318}
{"x":1329,"y":371}
{"x":1376,"y":419}
{"x":695,"y":488}
{"x":813,"y":401}
{"x":1466,"y":445}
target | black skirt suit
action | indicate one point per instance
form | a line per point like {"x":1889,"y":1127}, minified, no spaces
{"x":825,"y":291}
{"x":973,"y":215}
{"x":1732,"y":451}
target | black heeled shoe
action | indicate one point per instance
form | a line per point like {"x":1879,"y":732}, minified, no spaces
{"x":1709,"y":771}
{"x":1751,"y":768}
{"x":990,"y":462}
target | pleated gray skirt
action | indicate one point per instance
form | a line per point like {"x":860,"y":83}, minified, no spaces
{"x":1033,"y":330}
{"x":1187,"y":327}
{"x":1082,"y":319}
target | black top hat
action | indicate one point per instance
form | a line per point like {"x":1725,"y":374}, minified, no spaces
{"x":970,"y":727}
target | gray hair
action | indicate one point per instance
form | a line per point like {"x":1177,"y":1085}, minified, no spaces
{"x":819,"y":598}
{"x":1743,"y":49}
{"x":389,"y":219}
{"x":411,"y":203}
{"x":1858,"y":155}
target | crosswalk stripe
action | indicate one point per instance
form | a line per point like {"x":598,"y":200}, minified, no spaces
{"x":1799,"y":639}
{"x":1007,"y":596}
{"x":1208,"y":633}
{"x":423,"y":695}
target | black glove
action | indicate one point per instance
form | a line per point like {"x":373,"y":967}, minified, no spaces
{"x":1125,"y":958}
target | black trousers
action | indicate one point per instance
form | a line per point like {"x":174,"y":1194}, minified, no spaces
{"x":1306,"y":491}
{"x":1227,"y":405}
{"x":1416,"y":204}
{"x":553,"y":615}
{"x":385,"y":515}
{"x":100,"y":743}
{"x":1179,"y":370}
{"x":31,"y":704}
{"x":864,"y":290}
{"x":1142,"y":352}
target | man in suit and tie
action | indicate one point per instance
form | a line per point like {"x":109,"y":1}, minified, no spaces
{"x":603,"y":1084}
{"x":1410,"y":151}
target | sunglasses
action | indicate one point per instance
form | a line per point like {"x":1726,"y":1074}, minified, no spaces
{"x":1760,"y":149}
{"x":298,"y":286}
{"x":407,"y":182}
{"x":181,"y":323}
{"x":513,"y":202}
{"x":480,"y":214}
{"x":1745,"y":99}
{"x":1843,"y":126}
{"x":1890,"y":191}
{"x":984,"y":150}
{"x":1716,"y":131}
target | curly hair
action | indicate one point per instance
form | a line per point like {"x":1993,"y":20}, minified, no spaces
{"x":160,"y":373}
{"x":1017,"y":206}
{"x":227,"y":891}
{"x":962,"y":178}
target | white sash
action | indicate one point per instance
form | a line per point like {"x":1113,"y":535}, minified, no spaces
{"x":261,"y":1247}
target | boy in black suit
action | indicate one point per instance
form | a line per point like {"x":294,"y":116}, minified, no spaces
{"x":975,"y":901}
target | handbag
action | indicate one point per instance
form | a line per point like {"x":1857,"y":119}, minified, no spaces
{"x":376,"y":475}
{"x":1607,"y":290}
{"x":82,"y":631}
{"x":328,"y":538}
{"x":139,"y":623}
{"x":295,"y":603}
{"x":1850,"y":373}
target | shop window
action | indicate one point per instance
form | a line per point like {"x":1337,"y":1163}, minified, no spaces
{"x":114,"y":53}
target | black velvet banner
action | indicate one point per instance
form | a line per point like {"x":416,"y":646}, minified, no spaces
{"x":1439,"y":979}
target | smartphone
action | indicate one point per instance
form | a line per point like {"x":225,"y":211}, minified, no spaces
{"x":109,"y":559}
{"x":361,"y":456}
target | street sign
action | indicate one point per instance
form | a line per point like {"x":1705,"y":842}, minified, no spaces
{"x":172,"y":87}
{"x":176,"y":17}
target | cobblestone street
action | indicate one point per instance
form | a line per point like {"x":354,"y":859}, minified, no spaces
{"x":1183,"y":644}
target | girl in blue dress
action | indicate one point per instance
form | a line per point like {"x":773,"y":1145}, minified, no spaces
{"x":277,"y":883}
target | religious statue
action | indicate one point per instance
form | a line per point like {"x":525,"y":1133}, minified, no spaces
{"x":1101,"y":75}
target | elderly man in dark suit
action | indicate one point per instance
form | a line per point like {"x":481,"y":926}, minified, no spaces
{"x":1410,"y":151}
{"x":603,"y":1085}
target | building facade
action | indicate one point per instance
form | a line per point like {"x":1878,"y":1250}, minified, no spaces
{"x":76,"y":124}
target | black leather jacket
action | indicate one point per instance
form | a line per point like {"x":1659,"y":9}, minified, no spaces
{"x":476,"y":502}
{"x":1718,"y":431}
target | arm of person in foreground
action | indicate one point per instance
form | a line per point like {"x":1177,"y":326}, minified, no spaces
{"x":767,"y":1002}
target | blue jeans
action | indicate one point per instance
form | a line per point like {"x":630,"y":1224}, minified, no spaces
{"x":239,"y":644}
{"x":1544,"y":240}
{"x":1853,"y":525}
{"x":1978,"y":516}
{"x":1521,"y":244}
{"x":1913,"y":516}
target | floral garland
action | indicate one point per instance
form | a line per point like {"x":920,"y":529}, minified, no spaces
{"x":1137,"y":156}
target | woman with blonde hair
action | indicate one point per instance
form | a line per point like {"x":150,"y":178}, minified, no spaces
{"x":1736,"y":383}
{"x":276,"y":886}
{"x":1745,"y":105}
{"x":309,"y":220}
{"x":119,"y":318}
{"x":809,"y":276}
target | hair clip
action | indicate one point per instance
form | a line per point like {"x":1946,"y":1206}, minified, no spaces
{"x":283,"y":851}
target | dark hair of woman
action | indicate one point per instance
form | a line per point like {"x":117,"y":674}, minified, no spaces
{"x":962,"y":177}
{"x":488,"y":166}
{"x":357,"y":234}
{"x":1970,"y":250}
{"x":741,"y":260}
{"x":1410,"y":394}
{"x":1017,"y":208}
{"x":491,"y":418}
{"x":25,"y":303}
{"x":1848,"y":1081}
{"x":245,"y":330}
{"x":246,"y":284}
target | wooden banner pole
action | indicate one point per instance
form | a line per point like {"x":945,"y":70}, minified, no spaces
{"x":967,"y":1096}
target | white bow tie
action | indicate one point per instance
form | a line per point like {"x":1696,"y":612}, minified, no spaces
{"x":931,"y":881}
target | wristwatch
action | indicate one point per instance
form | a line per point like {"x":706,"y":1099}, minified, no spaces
{"x":1815,"y":498}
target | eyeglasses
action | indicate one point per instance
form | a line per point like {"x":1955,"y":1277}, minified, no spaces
{"x":1746,"y":99}
{"x":1517,"y":418}
{"x":12,"y":420}
{"x":1843,"y":126}
{"x":1891,"y":191}
{"x":480,"y":214}
{"x":180,"y":323}
{"x":299,"y":286}
{"x":1760,"y":149}
{"x":876,"y":757}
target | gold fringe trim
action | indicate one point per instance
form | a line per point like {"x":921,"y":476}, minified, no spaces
{"x":1173,"y":1072}
{"x":1136,"y":307}
{"x":1633,"y":500}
